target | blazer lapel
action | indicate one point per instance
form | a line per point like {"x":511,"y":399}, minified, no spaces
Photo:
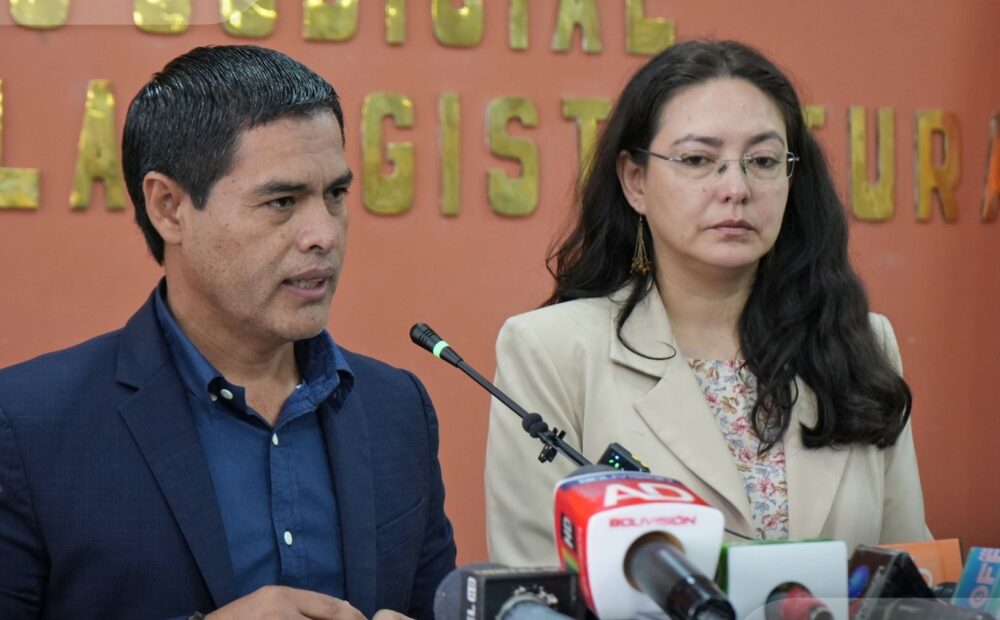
{"x":159,"y":419}
{"x":675,"y":407}
{"x":813,"y":476}
{"x":347,"y":443}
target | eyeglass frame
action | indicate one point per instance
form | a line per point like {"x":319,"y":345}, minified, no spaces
{"x":790,"y":160}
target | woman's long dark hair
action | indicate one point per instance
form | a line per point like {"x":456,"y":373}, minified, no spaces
{"x":807,"y":312}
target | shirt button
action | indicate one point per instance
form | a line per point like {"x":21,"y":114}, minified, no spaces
{"x":226,"y":394}
{"x":288,"y":538}
{"x":274,"y":438}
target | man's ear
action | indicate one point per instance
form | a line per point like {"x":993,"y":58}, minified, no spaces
{"x":164,"y":199}
{"x":632,"y":178}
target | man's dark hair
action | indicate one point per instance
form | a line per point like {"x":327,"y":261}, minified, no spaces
{"x":187,"y":120}
{"x":807,"y":313}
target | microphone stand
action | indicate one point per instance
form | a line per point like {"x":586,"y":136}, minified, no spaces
{"x":425,"y":337}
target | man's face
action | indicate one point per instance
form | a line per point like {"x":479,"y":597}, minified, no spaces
{"x":259,"y":263}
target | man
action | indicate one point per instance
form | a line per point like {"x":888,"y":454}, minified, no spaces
{"x":220,"y":455}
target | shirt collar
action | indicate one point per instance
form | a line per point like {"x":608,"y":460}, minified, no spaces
{"x":322,"y":364}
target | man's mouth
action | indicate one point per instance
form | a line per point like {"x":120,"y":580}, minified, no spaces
{"x":307,"y":284}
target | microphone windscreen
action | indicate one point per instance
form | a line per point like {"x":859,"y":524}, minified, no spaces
{"x":534,"y":425}
{"x":422,"y":335}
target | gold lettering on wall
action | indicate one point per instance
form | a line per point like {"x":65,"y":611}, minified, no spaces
{"x":326,"y":20}
{"x":395,"y":22}
{"x":815,"y":116}
{"x":872,"y":201}
{"x":517,"y":25}
{"x":41,"y":14}
{"x":386,"y":194}
{"x":18,"y":186}
{"x":573,"y":13}
{"x":588,"y":113}
{"x":450,"y":119}
{"x":991,"y":189}
{"x":97,"y":153}
{"x":518,"y":196}
{"x":161,"y":16}
{"x":646,"y":35}
{"x":940,"y":178}
{"x":248,"y":18}
{"x":458,"y":26}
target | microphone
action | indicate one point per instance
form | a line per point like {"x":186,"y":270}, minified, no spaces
{"x":426,"y":338}
{"x":794,"y":601}
{"x":641,"y":544}
{"x":785,"y":580}
{"x":939,"y":561}
{"x":488,"y":591}
{"x":979,"y":587}
{"x":885,"y":584}
{"x":423,"y":336}
{"x":876,"y":573}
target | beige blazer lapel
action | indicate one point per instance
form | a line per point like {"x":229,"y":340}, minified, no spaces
{"x":675,"y":408}
{"x":813,"y":476}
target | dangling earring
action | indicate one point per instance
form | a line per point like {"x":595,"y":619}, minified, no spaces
{"x":641,"y":265}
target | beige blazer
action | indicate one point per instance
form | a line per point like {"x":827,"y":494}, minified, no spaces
{"x":566,"y":363}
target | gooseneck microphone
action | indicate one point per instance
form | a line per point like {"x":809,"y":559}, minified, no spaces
{"x":616,"y":456}
{"x":422,"y":335}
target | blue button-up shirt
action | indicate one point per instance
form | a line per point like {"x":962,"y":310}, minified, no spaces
{"x":273,"y":484}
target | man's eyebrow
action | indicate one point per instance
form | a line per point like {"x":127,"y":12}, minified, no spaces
{"x":343,"y":180}
{"x":277,"y":186}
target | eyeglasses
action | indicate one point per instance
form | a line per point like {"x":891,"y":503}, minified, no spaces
{"x":761,"y":166}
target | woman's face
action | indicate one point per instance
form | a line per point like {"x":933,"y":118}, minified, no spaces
{"x":708,"y":217}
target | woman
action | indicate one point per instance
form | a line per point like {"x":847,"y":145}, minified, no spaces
{"x":705,"y":315}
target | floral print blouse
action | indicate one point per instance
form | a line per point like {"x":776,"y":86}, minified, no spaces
{"x":731,"y":391}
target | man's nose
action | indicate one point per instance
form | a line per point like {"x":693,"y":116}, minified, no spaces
{"x":320,"y":230}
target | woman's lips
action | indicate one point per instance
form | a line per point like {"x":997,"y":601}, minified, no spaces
{"x":733,"y":227}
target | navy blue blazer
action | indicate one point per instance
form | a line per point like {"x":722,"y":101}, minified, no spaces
{"x":107,"y":508}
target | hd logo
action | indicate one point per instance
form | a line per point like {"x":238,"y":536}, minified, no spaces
{"x":568,"y":537}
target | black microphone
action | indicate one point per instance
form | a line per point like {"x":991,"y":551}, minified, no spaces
{"x":655,"y":566}
{"x":422,"y":335}
{"x":885,"y":584}
{"x":426,"y":338}
{"x":488,"y":591}
{"x":876,"y":574}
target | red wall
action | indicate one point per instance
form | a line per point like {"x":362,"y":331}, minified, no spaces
{"x":66,"y":275}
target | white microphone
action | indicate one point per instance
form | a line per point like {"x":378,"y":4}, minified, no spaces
{"x":641,"y":543}
{"x":786,"y":580}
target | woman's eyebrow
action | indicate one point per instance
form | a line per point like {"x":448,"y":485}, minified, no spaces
{"x":718,"y":142}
